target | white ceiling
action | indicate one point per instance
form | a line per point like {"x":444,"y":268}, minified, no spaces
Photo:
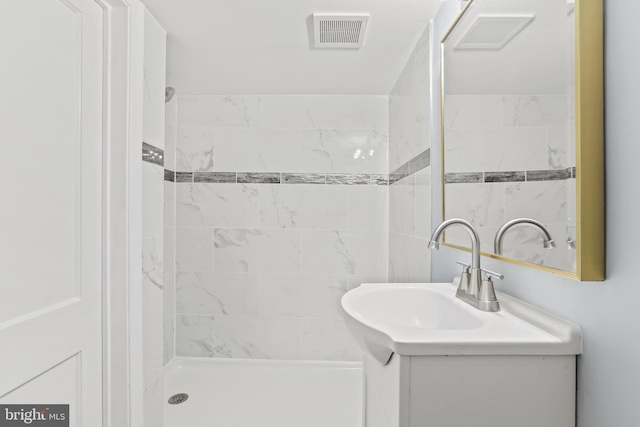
{"x":223,"y":47}
{"x":536,"y":61}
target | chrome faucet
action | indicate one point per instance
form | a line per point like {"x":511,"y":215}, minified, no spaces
{"x":547,"y":241}
{"x":471,"y":289}
{"x":475,"y":277}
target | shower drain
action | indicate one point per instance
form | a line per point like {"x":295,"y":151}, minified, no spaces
{"x":178,"y":398}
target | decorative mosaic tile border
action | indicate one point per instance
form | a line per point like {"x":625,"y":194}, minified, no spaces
{"x":276,"y":178}
{"x":419,"y":162}
{"x":152,"y":154}
{"x":510,"y":176}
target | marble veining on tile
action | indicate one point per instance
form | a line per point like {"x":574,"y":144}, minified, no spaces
{"x":169,"y":175}
{"x":548,"y":175}
{"x":184,"y":176}
{"x":215,"y":177}
{"x":348,"y":179}
{"x":152,"y":154}
{"x":303,"y":178}
{"x":258,"y":178}
{"x":514,"y":176}
{"x":463,"y":177}
{"x":194,"y":149}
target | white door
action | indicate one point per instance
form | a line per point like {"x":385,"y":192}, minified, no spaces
{"x":51,"y":85}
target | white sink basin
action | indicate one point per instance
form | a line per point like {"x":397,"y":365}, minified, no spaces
{"x":427,"y":319}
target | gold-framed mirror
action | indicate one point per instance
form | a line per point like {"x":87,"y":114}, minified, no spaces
{"x":523,"y":132}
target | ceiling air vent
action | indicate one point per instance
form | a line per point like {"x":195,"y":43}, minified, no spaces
{"x":339,"y":30}
{"x":493,"y":32}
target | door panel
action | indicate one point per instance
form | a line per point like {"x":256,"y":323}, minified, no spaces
{"x":50,"y":224}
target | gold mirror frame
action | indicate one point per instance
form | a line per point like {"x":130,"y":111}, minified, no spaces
{"x":590,"y":209}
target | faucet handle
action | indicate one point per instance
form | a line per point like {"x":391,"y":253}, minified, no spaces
{"x":465,"y":277}
{"x":487,"y":293}
{"x":492,"y":273}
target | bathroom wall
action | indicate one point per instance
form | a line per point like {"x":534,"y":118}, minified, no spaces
{"x":409,"y":166}
{"x":153,"y":226}
{"x":507,"y":157}
{"x":281,"y":207}
{"x":607,"y":312}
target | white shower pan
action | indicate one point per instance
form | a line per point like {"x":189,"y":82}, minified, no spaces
{"x":265,"y":393}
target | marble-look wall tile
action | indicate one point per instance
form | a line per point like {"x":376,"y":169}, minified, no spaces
{"x":218,"y":111}
{"x":257,"y":250}
{"x":217,"y":205}
{"x":152,"y":200}
{"x":194,"y":248}
{"x":481,"y":204}
{"x":217,"y":293}
{"x":409,"y":160}
{"x":343,"y":252}
{"x":423,"y":203}
{"x":473,"y":111}
{"x":324,"y":112}
{"x":327,"y":339}
{"x":409,"y":259}
{"x":460,"y":237}
{"x":558,"y":138}
{"x":344,"y":150}
{"x":402,"y":199}
{"x":169,"y":350}
{"x":238,"y":337}
{"x":368,"y":208}
{"x":304,"y":206}
{"x":496,"y":149}
{"x":405,"y":119}
{"x":542,"y":200}
{"x":169,"y":295}
{"x":259,"y":150}
{"x":525,"y":243}
{"x":194,"y":151}
{"x":534,"y":110}
{"x":292,"y":165}
{"x":169,"y":205}
{"x":152,"y":260}
{"x":302,"y":295}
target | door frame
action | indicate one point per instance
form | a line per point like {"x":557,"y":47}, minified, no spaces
{"x":122,"y":331}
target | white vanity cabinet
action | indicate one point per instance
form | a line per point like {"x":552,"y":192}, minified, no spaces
{"x":473,"y":391}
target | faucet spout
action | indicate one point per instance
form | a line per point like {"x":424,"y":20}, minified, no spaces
{"x":544,"y":232}
{"x":473,"y":234}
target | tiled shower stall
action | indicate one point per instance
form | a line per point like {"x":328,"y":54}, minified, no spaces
{"x":274,"y":207}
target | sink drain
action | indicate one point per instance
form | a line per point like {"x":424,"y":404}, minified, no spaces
{"x":178,"y":398}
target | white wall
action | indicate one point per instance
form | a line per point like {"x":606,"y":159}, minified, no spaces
{"x":608,"y":370}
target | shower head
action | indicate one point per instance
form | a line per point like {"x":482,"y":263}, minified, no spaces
{"x":168,"y":93}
